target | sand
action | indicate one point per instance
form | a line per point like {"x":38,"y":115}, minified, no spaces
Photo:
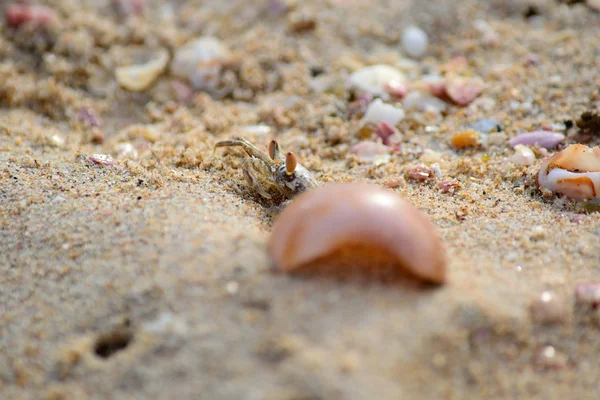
{"x":149,"y":278}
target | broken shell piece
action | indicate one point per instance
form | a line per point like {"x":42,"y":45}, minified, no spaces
{"x":373,"y":152}
{"x":376,"y":79}
{"x":421,"y":101}
{"x":356,"y":227}
{"x":523,"y":155}
{"x":420,"y":173}
{"x":101,"y":159}
{"x":463,"y":90}
{"x":379,"y":111}
{"x":139,"y":77}
{"x":574,"y":172}
{"x":200,"y":62}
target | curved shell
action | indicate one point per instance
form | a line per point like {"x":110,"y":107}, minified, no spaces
{"x":139,"y":77}
{"x":574,"y":172}
{"x":355,"y":218}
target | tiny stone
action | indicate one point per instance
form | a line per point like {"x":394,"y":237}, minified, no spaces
{"x":548,"y":309}
{"x":392,"y":183}
{"x":420,"y":173}
{"x":299,"y":22}
{"x":448,"y":186}
{"x":415,"y":41}
{"x":232,"y":287}
{"x":485,"y":125}
{"x":439,"y":360}
{"x":101,"y":159}
{"x":465,"y":139}
{"x":549,"y":358}
{"x":523,"y":155}
{"x":126,"y":150}
{"x":588,"y":293}
{"x":539,"y":232}
{"x":430,"y":157}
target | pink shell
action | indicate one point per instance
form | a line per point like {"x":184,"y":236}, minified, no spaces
{"x":343,"y":216}
{"x":545,"y":139}
{"x":21,"y":14}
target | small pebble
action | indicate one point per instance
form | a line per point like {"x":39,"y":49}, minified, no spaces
{"x":449,"y":186}
{"x":548,"y":308}
{"x":538,"y":233}
{"x":465,"y":139}
{"x":463,"y":91}
{"x":488,"y":34}
{"x":588,"y":293}
{"x":57,"y":140}
{"x":523,"y":155}
{"x":200,"y":62}
{"x":232,"y":287}
{"x":393,"y":183}
{"x":396,"y":89}
{"x":182,"y":91}
{"x":485,"y":125}
{"x":420,"y":173}
{"x":430,"y":157}
{"x":126,"y":150}
{"x":415,"y":41}
{"x":101,"y":159}
{"x":384,"y":130}
{"x":277,"y":7}
{"x":129,"y":7}
{"x":373,"y":152}
{"x":89,"y":116}
{"x":22,"y":14}
{"x":301,"y":22}
{"x":549,"y":358}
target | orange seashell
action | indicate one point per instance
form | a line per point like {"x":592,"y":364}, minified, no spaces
{"x":574,"y":172}
{"x":344,"y":228}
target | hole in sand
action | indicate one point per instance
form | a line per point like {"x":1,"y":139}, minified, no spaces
{"x":110,"y":343}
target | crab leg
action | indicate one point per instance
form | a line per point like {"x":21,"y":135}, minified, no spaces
{"x":248,"y":147}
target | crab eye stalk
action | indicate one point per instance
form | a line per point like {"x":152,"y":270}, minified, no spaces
{"x":274,"y":150}
{"x":290,"y":163}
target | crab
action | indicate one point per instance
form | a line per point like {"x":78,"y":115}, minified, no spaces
{"x":275,"y":177}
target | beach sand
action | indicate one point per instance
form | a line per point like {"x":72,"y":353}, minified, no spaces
{"x":147,"y":276}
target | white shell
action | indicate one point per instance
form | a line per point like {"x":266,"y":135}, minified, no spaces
{"x":422,"y":101}
{"x":200,"y":62}
{"x":574,"y":172}
{"x":375,"y":78}
{"x":378,"y":111}
{"x":139,"y":77}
